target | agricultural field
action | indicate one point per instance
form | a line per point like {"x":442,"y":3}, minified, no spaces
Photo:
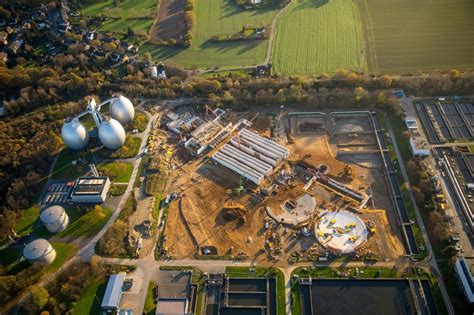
{"x":219,"y":17}
{"x":136,"y":14}
{"x":407,"y":35}
{"x":319,"y":36}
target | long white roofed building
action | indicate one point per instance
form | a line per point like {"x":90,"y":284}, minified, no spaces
{"x":252,"y":156}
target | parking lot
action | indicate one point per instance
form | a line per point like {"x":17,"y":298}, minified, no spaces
{"x":57,"y":193}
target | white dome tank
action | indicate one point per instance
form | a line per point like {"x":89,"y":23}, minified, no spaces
{"x":122,"y":109}
{"x":39,"y":251}
{"x":111,"y":134}
{"x":74,"y":134}
{"x":55,"y":219}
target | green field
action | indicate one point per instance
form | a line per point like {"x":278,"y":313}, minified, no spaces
{"x":86,"y":225}
{"x":91,"y":297}
{"x":408,"y":35}
{"x":219,"y":17}
{"x":136,"y":14}
{"x":119,"y":172}
{"x":319,"y":36}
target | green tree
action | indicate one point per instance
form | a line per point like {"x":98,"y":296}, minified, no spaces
{"x":37,"y":299}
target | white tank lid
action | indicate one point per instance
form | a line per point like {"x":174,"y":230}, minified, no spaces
{"x":36,"y":249}
{"x":52,"y":214}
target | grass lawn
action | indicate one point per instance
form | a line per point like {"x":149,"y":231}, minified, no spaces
{"x":91,"y":297}
{"x":117,"y":190}
{"x":319,"y":36}
{"x":64,"y":252}
{"x":87,"y":225}
{"x":63,"y":169}
{"x":409,"y":35}
{"x":128,"y":150}
{"x":119,"y":172}
{"x":25,"y":225}
{"x":150,"y":301}
{"x":219,"y":17}
{"x":128,"y":14}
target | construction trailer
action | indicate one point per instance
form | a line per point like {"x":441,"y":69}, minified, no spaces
{"x":251,"y":156}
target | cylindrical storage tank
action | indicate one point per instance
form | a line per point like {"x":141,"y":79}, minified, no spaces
{"x":122,"y":109}
{"x":111,"y":134}
{"x":55,"y":218}
{"x":74,"y":134}
{"x":39,"y":251}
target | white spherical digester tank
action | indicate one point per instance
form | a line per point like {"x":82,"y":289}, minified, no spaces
{"x":111,"y":134}
{"x":74,"y":134}
{"x":39,"y":251}
{"x":122,"y":109}
{"x":55,"y":218}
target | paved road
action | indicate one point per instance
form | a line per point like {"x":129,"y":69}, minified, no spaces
{"x":419,"y":219}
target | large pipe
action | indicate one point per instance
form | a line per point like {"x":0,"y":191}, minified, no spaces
{"x":260,"y":143}
{"x":260,"y":149}
{"x":236,"y":168}
{"x":259,"y":163}
{"x":245,"y":169}
{"x":284,"y":151}
{"x":253,"y":153}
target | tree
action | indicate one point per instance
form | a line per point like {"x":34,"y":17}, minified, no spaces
{"x":385,"y":81}
{"x":280,"y":96}
{"x":148,"y":58}
{"x":37,"y":299}
{"x":228,"y":98}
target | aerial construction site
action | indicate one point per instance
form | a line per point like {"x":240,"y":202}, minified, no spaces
{"x":281,"y":187}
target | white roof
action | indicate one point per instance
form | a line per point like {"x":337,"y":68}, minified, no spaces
{"x":52,"y":214}
{"x":37,"y":249}
{"x":113,"y":291}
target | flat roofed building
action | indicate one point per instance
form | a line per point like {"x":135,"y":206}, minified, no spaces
{"x":464,"y":268}
{"x":113,"y":292}
{"x":90,"y":189}
{"x":418,"y":144}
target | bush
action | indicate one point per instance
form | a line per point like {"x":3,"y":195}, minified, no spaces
{"x":117,"y":190}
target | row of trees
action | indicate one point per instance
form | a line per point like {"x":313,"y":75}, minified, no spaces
{"x":424,"y":193}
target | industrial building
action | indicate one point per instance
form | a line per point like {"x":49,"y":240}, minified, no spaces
{"x":205,"y":135}
{"x":54,"y":218}
{"x":39,"y":251}
{"x":464,"y":269}
{"x":90,"y":189}
{"x":176,"y":295}
{"x":181,"y":123}
{"x":250,"y":155}
{"x":418,"y":145}
{"x":113,"y":293}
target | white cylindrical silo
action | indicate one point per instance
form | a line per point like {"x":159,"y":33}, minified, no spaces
{"x":111,"y":134}
{"x":55,"y":218}
{"x":74,"y":134}
{"x":121,"y":109}
{"x":39,"y":251}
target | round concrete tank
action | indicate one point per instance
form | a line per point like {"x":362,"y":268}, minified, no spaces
{"x":39,"y":251}
{"x":74,"y":134}
{"x":111,"y":134}
{"x":122,"y":109}
{"x":55,"y":219}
